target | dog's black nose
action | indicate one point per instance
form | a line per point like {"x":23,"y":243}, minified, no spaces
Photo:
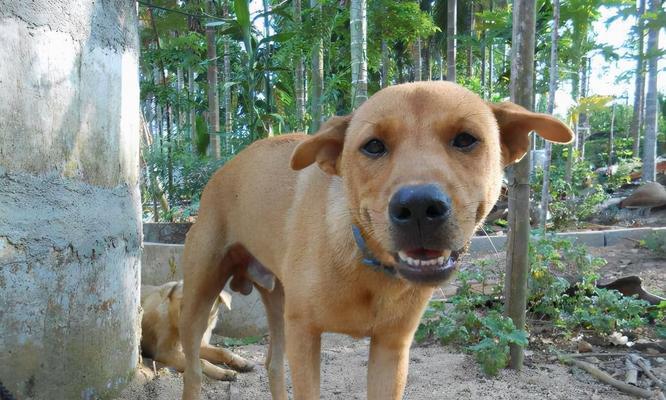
{"x":423,"y":206}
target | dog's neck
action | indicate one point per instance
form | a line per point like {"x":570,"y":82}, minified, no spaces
{"x":368,"y":258}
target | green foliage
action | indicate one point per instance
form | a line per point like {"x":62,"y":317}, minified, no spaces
{"x":583,"y":305}
{"x":622,"y":176}
{"x":604,"y":311}
{"x":570,"y":204}
{"x":190,"y":173}
{"x":484,"y":333}
{"x":600,"y":120}
{"x":474,"y":321}
{"x":656,"y":242}
{"x":658,"y":314}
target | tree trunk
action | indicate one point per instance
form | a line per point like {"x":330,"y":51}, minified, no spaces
{"x":440,"y":56}
{"x":228,"y":112}
{"x":180,"y":86}
{"x":192,"y":117}
{"x":451,"y":40}
{"x":552,"y":88}
{"x":483,"y":65}
{"x":359,"y":56}
{"x":317,"y":77}
{"x":582,"y":117}
{"x":490,"y":59}
{"x":213,"y":98}
{"x":651,"y":101}
{"x":70,"y":206}
{"x":426,"y":69}
{"x":399,"y":64}
{"x":385,"y":64}
{"x":417,"y":67}
{"x":298,"y":77}
{"x":522,"y":72}
{"x":568,"y":170}
{"x":634,"y":129}
{"x":610,"y":141}
{"x":267,"y":75}
{"x":471,"y":36}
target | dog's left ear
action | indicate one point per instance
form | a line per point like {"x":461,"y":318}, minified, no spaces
{"x":515,"y":124}
{"x":324,"y":147}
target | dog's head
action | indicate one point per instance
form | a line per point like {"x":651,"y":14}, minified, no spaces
{"x":422,"y":166}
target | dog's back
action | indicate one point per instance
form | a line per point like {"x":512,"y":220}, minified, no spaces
{"x":243,"y":195}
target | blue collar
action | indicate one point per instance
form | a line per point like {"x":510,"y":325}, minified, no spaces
{"x":368,"y":258}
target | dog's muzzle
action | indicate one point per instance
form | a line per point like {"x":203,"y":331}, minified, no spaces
{"x":434,"y":271}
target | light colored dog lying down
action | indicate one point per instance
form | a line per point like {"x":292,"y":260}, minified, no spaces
{"x":160,"y":338}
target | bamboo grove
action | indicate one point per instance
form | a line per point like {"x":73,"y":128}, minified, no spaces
{"x":218,"y":75}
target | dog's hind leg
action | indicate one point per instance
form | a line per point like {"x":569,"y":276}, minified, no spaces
{"x":219,"y":355}
{"x":206,"y":269}
{"x":274,"y":304}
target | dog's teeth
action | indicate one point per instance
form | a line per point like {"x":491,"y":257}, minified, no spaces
{"x":403,"y":256}
{"x":440,"y":261}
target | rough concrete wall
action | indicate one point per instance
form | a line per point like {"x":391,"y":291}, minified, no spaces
{"x":70,"y":233}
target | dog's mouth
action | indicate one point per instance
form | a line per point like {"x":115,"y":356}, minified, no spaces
{"x":426,"y":266}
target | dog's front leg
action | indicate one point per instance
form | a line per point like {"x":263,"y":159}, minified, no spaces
{"x":387,"y":367}
{"x":303,"y":354}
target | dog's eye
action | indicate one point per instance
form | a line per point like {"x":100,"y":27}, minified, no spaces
{"x":374,"y":148}
{"x":464,"y":141}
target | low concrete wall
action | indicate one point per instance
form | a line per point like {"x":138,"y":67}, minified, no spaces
{"x":161,"y":263}
{"x":165,"y":232}
{"x":490,"y":244}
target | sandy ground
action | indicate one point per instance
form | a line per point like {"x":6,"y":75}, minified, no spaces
{"x":435,"y":372}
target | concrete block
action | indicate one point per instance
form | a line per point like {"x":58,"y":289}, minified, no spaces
{"x":487,"y":244}
{"x":161,"y":232}
{"x":161,"y":263}
{"x":621,"y":235}
{"x":587,"y":238}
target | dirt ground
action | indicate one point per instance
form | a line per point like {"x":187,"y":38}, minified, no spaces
{"x":435,"y":372}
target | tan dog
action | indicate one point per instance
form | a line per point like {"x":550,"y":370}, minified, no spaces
{"x":410,"y":174}
{"x":160,"y":339}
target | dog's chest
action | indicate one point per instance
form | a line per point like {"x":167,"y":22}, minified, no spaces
{"x":359,"y":310}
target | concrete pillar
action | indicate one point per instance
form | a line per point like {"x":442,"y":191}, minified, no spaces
{"x":70,"y":233}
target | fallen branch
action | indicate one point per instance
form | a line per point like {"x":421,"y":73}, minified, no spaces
{"x":645,"y":366}
{"x":605,"y":378}
{"x":582,"y":355}
{"x":631,"y":376}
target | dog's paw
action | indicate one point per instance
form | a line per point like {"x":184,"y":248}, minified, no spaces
{"x":227,"y":375}
{"x":242,"y":365}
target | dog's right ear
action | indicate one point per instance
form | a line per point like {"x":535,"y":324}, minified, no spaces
{"x":324,"y":147}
